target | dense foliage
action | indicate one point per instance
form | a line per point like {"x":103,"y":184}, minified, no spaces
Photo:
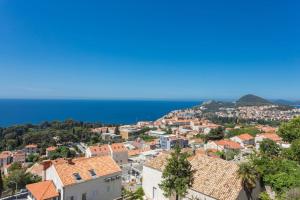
{"x":61,"y":152}
{"x":47,"y":134}
{"x":279,"y":168}
{"x":290,"y":131}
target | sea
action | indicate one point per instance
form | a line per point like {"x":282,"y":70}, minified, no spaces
{"x":17,"y":111}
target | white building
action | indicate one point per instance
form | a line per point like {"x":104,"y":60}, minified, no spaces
{"x":79,"y":179}
{"x":214,"y":179}
{"x":117,"y":151}
{"x":244,"y":139}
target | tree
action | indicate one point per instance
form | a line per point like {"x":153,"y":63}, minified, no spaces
{"x":19,"y":178}
{"x":249,"y":176}
{"x":216,"y":134}
{"x":295,"y":150}
{"x":291,"y":130}
{"x":269,"y":148}
{"x":177,"y":175}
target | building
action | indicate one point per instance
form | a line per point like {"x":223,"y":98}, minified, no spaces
{"x":19,"y":156}
{"x":30,"y":149}
{"x":111,"y":137}
{"x":103,"y":150}
{"x":5,"y":158}
{"x":49,"y":150}
{"x":117,"y":151}
{"x":222,"y":145}
{"x":167,"y":142}
{"x":129,"y":133}
{"x":244,"y":139}
{"x":272,"y":136}
{"x":156,"y":133}
{"x":214,"y":179}
{"x":79,"y":179}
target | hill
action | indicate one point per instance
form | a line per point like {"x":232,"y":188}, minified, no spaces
{"x":213,"y":106}
{"x":252,"y":100}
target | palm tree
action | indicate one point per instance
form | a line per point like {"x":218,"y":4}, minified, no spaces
{"x":249,"y":176}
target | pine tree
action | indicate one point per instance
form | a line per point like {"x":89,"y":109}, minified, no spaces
{"x":177,"y":175}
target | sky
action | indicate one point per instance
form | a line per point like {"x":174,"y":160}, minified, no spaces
{"x":155,"y":49}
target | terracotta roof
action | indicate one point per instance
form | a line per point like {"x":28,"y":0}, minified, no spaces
{"x":117,"y":147}
{"x":5,"y":154}
{"x":51,"y":148}
{"x":31,"y":146}
{"x":228,"y":144}
{"x":213,"y":176}
{"x":43,"y":190}
{"x":245,"y":136}
{"x":103,"y":149}
{"x":36,"y":169}
{"x":102,"y":166}
{"x":271,"y":136}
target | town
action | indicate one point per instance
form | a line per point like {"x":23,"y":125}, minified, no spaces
{"x":128,"y":161}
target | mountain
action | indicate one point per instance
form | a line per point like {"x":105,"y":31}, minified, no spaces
{"x":252,"y":100}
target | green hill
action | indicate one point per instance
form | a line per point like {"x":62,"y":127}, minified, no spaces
{"x":252,"y":100}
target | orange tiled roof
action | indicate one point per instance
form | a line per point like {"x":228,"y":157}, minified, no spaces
{"x":271,"y":136}
{"x":213,"y":177}
{"x":228,"y":143}
{"x":5,"y":154}
{"x":31,"y":146}
{"x":51,"y":148}
{"x":245,"y":136}
{"x":118,"y":147}
{"x":36,"y":169}
{"x":43,"y":190}
{"x":103,"y":165}
{"x":100,"y":149}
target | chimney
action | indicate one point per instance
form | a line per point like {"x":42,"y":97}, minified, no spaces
{"x":46,"y":164}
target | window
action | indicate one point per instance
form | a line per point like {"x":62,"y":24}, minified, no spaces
{"x":77,"y":176}
{"x":92,"y":172}
{"x":71,"y":198}
{"x":83,"y":197}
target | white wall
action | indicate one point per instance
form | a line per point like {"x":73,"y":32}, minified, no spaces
{"x":151,"y":179}
{"x":96,"y":189}
{"x":51,"y":174}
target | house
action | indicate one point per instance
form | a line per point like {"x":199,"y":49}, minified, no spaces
{"x":103,"y":150}
{"x":30,"y":149}
{"x":5,"y":158}
{"x":156,"y":133}
{"x":167,"y":142}
{"x":214,"y":179}
{"x":19,"y":156}
{"x":36,"y":169}
{"x":221,"y":145}
{"x":129,"y":133}
{"x":81,"y":178}
{"x":49,"y":150}
{"x":244,"y":139}
{"x":272,"y":136}
{"x":117,"y":151}
{"x":111,"y":137}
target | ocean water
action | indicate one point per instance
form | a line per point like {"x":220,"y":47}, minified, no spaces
{"x":14,"y":112}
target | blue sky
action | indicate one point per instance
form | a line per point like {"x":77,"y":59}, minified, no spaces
{"x":149,"y":49}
